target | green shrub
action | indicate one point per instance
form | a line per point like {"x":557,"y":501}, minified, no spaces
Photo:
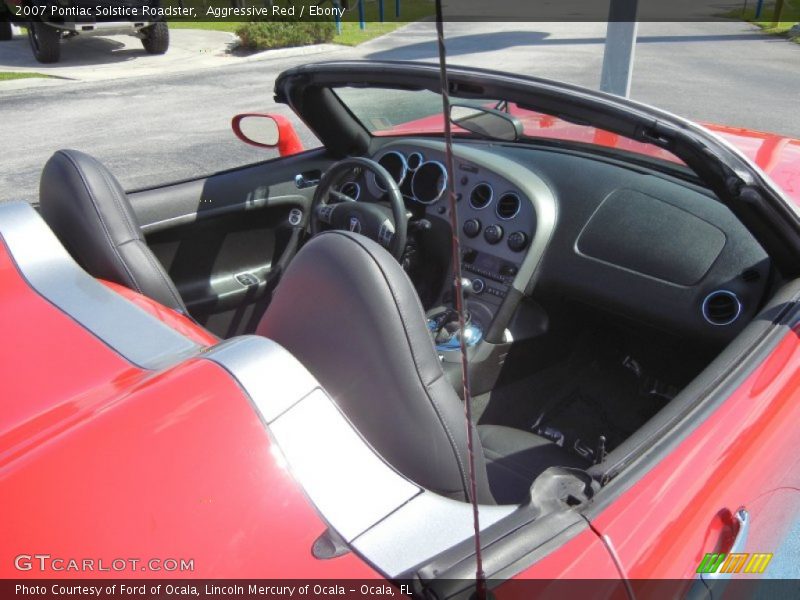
{"x":263,"y":35}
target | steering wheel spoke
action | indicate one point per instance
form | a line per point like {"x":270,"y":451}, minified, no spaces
{"x":386,"y":233}
{"x":386,"y":226}
{"x":324,"y":213}
{"x":340,"y":196}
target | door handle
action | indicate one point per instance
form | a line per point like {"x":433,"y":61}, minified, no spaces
{"x":302,"y":182}
{"x":710,"y":585}
{"x":742,"y":517}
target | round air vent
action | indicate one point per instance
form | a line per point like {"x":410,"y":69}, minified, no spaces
{"x":508,"y":206}
{"x":721,"y":307}
{"x":481,"y":196}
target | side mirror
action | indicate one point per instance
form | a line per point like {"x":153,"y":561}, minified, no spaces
{"x":267,"y":131}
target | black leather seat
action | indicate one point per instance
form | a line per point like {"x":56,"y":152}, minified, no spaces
{"x":88,"y":210}
{"x":346,"y":309}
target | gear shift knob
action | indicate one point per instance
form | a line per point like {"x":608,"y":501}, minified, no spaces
{"x":466,"y":287}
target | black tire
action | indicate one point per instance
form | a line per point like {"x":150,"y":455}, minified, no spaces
{"x":156,"y":38}
{"x":45,"y":42}
{"x":5,"y":29}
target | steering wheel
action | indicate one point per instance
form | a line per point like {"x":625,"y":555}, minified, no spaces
{"x":385,"y":226}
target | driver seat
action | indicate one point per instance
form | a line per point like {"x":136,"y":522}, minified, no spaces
{"x":347,"y":310}
{"x":89,"y":212}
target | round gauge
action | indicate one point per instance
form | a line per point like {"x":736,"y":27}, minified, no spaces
{"x":351,"y":188}
{"x":429,"y":182}
{"x":395,"y":163}
{"x":414,"y":160}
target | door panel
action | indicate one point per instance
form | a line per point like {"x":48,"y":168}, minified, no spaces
{"x":226,"y":238}
{"x":743,"y":455}
{"x":223,"y":267}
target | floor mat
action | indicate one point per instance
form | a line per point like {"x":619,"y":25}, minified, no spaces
{"x":598,"y":391}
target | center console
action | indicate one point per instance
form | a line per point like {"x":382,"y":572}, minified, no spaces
{"x":506,"y":217}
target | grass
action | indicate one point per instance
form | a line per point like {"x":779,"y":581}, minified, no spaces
{"x":230,"y":26}
{"x":8,"y":76}
{"x":352,"y":34}
{"x":789,"y":17}
{"x":410,"y":11}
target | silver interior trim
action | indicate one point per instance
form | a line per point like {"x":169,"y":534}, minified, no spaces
{"x":429,"y":521}
{"x":534,"y":188}
{"x":326,"y":454}
{"x":516,"y":212}
{"x":390,"y":520}
{"x":357,"y":187}
{"x":491,"y":195}
{"x":729,"y":294}
{"x":51,"y":271}
{"x":442,"y":188}
{"x":419,"y":159}
{"x":273,"y":378}
{"x":402,"y":177}
{"x":192,"y":216}
{"x":295,"y":217}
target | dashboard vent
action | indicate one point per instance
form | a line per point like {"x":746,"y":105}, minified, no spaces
{"x":481,"y":196}
{"x":721,"y":307}
{"x":508,"y":206}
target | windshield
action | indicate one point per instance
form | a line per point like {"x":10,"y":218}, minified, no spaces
{"x":396,"y":112}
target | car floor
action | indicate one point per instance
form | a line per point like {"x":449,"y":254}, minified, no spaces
{"x":600,"y":389}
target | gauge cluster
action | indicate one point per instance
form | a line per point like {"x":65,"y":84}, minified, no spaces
{"x":491,"y":211}
{"x":497,"y":221}
{"x":420,"y":180}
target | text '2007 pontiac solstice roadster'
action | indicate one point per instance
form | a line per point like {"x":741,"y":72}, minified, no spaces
{"x":261,"y":370}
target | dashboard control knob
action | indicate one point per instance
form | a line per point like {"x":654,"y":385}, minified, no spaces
{"x":478,"y":285}
{"x":493,"y":234}
{"x":517,"y":241}
{"x":508,"y":270}
{"x":472,"y":227}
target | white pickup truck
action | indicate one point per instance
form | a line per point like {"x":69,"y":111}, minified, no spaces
{"x":50,"y":21}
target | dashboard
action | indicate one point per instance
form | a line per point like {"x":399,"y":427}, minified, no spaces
{"x":613,"y":234}
{"x":497,"y":219}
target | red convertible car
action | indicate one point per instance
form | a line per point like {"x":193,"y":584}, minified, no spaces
{"x":257,"y":374}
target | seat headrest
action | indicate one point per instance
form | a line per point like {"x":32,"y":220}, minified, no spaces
{"x":86,"y":207}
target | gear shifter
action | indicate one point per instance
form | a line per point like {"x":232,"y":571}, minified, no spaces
{"x":444,"y":326}
{"x":448,"y":326}
{"x":466,"y":288}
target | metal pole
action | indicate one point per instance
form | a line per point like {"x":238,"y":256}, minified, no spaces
{"x":380,"y":10}
{"x":397,"y":8}
{"x":337,"y":19}
{"x":778,"y":11}
{"x":620,"y":47}
{"x":361,"y":17}
{"x":759,"y":8}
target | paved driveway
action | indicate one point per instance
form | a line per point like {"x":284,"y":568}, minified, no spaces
{"x":155,"y":119}
{"x":112,"y":57}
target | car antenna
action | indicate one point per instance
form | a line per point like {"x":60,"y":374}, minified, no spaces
{"x":480,"y":577}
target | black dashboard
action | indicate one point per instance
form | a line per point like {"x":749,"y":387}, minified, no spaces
{"x":612,"y":234}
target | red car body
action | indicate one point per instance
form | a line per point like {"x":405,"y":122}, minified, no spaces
{"x":778,"y":156}
{"x":84,"y":471}
{"x":84,"y":436}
